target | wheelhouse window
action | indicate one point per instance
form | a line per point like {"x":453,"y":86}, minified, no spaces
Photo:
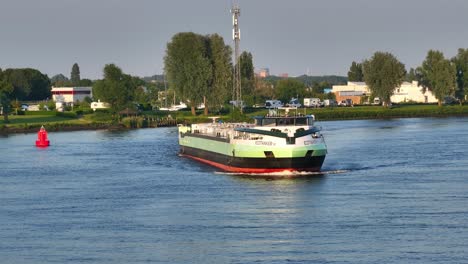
{"x":301,"y":121}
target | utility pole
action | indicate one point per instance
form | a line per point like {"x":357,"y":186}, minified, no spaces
{"x":236,"y":90}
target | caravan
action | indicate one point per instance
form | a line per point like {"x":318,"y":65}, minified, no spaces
{"x":312,"y":102}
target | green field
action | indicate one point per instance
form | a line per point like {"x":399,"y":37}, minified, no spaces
{"x":43,"y":119}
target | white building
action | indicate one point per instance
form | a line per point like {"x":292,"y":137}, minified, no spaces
{"x":71,"y":94}
{"x":407,"y":92}
{"x":412,"y":92}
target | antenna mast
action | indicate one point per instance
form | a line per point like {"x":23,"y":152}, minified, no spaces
{"x":236,"y":90}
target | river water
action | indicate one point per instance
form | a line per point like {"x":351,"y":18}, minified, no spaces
{"x":392,"y":191}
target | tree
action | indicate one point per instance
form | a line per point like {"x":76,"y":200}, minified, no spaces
{"x":263,"y":90}
{"x":438,"y":75}
{"x":141,"y":94}
{"x":188,"y":68}
{"x":6,"y":90}
{"x":221,"y":65}
{"x":59,"y":79}
{"x":28,"y":84}
{"x":411,"y":75}
{"x":319,"y":88}
{"x":382,"y":74}
{"x":40,"y":85}
{"x":116,"y":88}
{"x":86,"y":82}
{"x":355,"y":72}
{"x":247,"y":74}
{"x":461,"y":64}
{"x":289,"y":88}
{"x":75,"y":75}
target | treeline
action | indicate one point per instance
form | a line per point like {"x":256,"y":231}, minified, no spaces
{"x":61,"y":80}
{"x":309,"y":81}
{"x":444,"y":77}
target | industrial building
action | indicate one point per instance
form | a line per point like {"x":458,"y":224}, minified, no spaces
{"x":71,"y":94}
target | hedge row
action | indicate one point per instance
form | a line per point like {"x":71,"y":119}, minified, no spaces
{"x":397,"y":112}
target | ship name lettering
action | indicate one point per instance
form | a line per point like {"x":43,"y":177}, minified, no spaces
{"x":264,"y":143}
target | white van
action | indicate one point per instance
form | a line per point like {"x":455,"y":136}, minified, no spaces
{"x":273,"y":104}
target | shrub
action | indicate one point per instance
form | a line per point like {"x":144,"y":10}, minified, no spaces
{"x":51,"y":105}
{"x":66,"y":114}
{"x":35,"y":113}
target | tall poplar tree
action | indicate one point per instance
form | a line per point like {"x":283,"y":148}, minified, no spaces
{"x":411,"y":75}
{"x":75,"y":75}
{"x":355,"y":72}
{"x":188,"y":68}
{"x":199,"y":69}
{"x":461,"y":64}
{"x":438,"y":75}
{"x":383,"y":73}
{"x":247,"y":73}
{"x":220,"y":58}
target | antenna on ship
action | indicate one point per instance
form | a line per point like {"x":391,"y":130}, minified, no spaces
{"x":236,"y":89}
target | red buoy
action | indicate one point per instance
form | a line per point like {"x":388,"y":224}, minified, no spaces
{"x":42,"y":140}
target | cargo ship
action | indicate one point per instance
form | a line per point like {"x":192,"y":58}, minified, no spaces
{"x":273,"y":143}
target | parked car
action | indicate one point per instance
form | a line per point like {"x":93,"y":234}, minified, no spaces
{"x":294,"y":102}
{"x":329,"y":103}
{"x":346,"y":102}
{"x":377,"y":101}
{"x":273,"y":104}
{"x":258,"y":105}
{"x":237,"y":103}
{"x":450,"y":100}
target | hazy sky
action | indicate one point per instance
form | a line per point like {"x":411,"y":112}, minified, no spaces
{"x":286,"y":36}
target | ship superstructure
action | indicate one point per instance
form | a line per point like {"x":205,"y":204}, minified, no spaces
{"x":272,"y":144}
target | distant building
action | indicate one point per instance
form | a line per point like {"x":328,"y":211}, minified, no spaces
{"x":407,"y":92}
{"x":71,"y":94}
{"x":265,"y":72}
{"x":284,"y":75}
{"x":353,"y":90}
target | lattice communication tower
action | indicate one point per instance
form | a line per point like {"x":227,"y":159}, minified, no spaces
{"x":236,"y":89}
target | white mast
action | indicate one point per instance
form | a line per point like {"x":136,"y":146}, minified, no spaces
{"x":236,"y":90}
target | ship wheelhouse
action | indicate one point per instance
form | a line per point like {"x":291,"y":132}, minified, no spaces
{"x":307,"y":120}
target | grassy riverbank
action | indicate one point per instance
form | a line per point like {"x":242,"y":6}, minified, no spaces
{"x":399,"y":111}
{"x":53,"y":121}
{"x":351,"y":113}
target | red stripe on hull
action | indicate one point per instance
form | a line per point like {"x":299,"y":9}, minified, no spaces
{"x":248,"y":170}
